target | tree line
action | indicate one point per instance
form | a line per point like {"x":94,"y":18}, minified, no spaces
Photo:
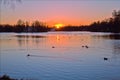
{"x":108,"y":25}
{"x":24,"y":26}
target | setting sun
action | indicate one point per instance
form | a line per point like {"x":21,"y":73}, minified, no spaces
{"x":58,"y":26}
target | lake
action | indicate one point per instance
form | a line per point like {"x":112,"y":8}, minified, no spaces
{"x":60,"y":56}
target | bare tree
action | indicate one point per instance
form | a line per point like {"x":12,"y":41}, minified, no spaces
{"x":10,"y":3}
{"x":20,"y":23}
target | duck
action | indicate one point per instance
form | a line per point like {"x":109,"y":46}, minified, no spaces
{"x":86,"y":46}
{"x":28,"y":55}
{"x":105,"y":58}
{"x":53,"y":47}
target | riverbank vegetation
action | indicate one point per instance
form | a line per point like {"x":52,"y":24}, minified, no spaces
{"x":108,"y":25}
{"x":6,"y":77}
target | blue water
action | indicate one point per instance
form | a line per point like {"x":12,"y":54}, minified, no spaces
{"x":60,"y":56}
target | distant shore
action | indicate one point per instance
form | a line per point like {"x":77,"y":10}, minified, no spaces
{"x":107,"y":25}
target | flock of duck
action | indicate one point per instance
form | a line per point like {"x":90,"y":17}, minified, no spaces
{"x":105,"y":58}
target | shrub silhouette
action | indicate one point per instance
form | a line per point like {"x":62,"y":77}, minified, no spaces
{"x":108,"y":25}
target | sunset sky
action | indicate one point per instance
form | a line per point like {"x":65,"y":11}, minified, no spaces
{"x":67,"y":12}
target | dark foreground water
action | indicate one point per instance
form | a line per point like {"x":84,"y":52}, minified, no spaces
{"x":60,"y":56}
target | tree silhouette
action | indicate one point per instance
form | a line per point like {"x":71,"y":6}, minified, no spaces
{"x":108,"y":25}
{"x":20,"y":26}
{"x":39,"y":26}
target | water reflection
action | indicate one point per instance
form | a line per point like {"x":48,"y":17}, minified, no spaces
{"x":114,"y":36}
{"x":74,"y":41}
{"x":109,"y":36}
{"x":30,"y":36}
{"x":113,"y":40}
{"x":58,"y":40}
{"x":116,"y":50}
{"x":67,"y":60}
{"x":29,"y":40}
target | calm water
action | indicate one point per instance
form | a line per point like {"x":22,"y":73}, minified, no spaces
{"x":60,"y":56}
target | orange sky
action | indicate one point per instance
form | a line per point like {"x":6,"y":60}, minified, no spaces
{"x":67,"y":12}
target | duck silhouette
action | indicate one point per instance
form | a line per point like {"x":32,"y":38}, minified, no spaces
{"x":105,"y":58}
{"x":28,"y":55}
{"x":53,"y":46}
